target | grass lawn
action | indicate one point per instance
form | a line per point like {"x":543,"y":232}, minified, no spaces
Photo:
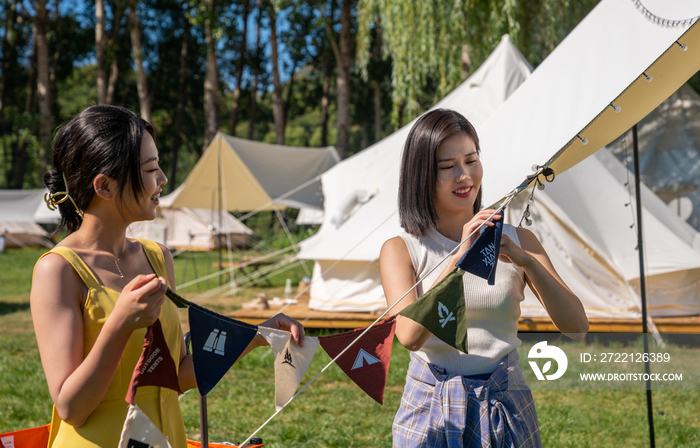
{"x":332,"y":412}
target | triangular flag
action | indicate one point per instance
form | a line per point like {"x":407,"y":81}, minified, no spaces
{"x":217,"y":342}
{"x":140,"y":432}
{"x":291,"y":362}
{"x":156,"y":366}
{"x":482,"y":256}
{"x":442,"y":311}
{"x":367,"y":361}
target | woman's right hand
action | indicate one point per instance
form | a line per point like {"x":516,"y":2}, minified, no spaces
{"x":474,"y":223}
{"x":139,"y":303}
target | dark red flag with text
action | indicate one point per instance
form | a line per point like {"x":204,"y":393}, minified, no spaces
{"x":156,"y":366}
{"x":367,"y":361}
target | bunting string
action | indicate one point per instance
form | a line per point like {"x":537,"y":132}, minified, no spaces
{"x":505,"y":203}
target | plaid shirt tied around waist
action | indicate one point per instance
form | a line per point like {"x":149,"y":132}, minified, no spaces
{"x":439,"y":410}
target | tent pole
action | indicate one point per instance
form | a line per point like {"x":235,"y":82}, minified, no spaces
{"x":203,"y":422}
{"x":642,"y":282}
{"x":221,"y":206}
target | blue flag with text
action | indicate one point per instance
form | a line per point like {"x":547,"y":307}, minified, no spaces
{"x":482,"y":256}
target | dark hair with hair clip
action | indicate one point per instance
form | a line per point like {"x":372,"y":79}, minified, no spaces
{"x":99,"y":140}
{"x":418,"y":179}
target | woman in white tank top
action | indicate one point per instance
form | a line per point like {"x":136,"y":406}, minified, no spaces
{"x":452,"y":398}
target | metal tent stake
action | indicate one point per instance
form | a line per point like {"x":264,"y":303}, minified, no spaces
{"x":642,"y":283}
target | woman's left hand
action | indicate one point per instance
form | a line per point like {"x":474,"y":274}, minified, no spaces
{"x":283,"y":322}
{"x":512,"y":253}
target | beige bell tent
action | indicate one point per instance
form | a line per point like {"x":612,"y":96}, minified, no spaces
{"x":255,"y":176}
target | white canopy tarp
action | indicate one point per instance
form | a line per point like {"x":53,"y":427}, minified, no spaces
{"x":601,"y":62}
{"x":21,"y":212}
{"x":361,"y":193}
{"x":254,"y":174}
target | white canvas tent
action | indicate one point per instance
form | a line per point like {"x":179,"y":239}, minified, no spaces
{"x":21,"y":212}
{"x":361,"y":193}
{"x":603,"y":60}
{"x":192,"y":229}
{"x":254,"y":175}
{"x":669,"y":151}
{"x":584,"y":222}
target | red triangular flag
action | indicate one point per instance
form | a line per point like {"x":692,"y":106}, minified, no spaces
{"x":367,"y":361}
{"x":156,"y":366}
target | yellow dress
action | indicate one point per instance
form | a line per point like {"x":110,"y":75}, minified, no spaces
{"x":104,"y":426}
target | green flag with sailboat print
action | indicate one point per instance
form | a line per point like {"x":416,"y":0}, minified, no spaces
{"x":442,"y":311}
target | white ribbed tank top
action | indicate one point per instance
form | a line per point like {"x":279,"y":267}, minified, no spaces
{"x":492,"y":311}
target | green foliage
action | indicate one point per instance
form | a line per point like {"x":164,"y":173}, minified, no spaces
{"x":425,"y":39}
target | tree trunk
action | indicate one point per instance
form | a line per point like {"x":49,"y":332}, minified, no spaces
{"x":137,"y":54}
{"x":325,"y":101}
{"x":278,"y":105}
{"x":290,"y":91}
{"x":211,"y":80}
{"x":180,"y":111}
{"x":254,"y":86}
{"x":378,"y":82}
{"x":40,"y":23}
{"x":240,"y":65}
{"x":112,"y":45}
{"x":377,"y":111}
{"x":33,"y":84}
{"x":343,"y":56}
{"x":365,"y":131}
{"x":15,"y":176}
{"x":466,"y":62}
{"x":9,"y":58}
{"x":100,"y":45}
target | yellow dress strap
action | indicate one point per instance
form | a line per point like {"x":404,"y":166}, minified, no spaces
{"x":155,"y":257}
{"x":78,"y":264}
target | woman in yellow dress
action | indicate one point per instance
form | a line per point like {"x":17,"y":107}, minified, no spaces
{"x":95,"y":293}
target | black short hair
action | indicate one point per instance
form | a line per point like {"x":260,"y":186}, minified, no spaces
{"x":101,"y":139}
{"x":419,"y":167}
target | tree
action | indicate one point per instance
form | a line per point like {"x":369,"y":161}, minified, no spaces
{"x":43,"y":89}
{"x":137,"y":55}
{"x":256,"y":74}
{"x":211,"y":79}
{"x":342,"y":47}
{"x":240,"y":65}
{"x":278,"y":105}
{"x":433,"y":44}
{"x":180,"y":109}
{"x":112,"y":48}
{"x":100,"y":47}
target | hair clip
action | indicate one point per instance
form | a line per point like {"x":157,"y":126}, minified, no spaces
{"x":52,"y":200}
